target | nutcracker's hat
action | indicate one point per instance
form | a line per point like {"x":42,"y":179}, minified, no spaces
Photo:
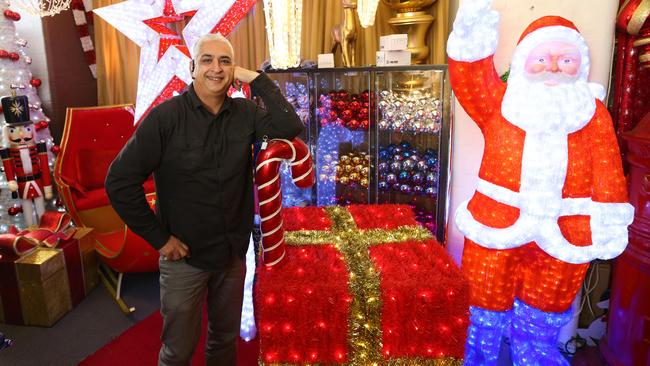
{"x":16,"y":110}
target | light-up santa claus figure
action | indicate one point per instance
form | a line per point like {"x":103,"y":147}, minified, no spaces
{"x":24,"y":161}
{"x":551,"y":194}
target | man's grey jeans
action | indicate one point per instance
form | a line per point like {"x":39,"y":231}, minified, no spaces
{"x":183,"y":289}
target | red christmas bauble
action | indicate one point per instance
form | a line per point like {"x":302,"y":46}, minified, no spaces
{"x":55,"y":149}
{"x":14,"y":56}
{"x":346,"y":115}
{"x":12,"y":15}
{"x":35,"y":82}
{"x":364,"y":124}
{"x":353,"y":124}
{"x":324,"y":122}
{"x":4,"y":54}
{"x":363,"y":113}
{"x":14,"y":210}
{"x":355,"y":106}
{"x":341,"y":105}
{"x":344,"y":95}
{"x":41,"y":125}
{"x":332,"y":115}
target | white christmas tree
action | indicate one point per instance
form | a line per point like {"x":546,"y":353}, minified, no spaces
{"x":15,"y":74}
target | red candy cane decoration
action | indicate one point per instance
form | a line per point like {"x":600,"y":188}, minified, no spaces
{"x":267,"y":177}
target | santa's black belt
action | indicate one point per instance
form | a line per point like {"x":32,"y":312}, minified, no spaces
{"x":29,"y":178}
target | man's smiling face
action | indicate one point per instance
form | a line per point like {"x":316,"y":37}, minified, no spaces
{"x":213,"y":69}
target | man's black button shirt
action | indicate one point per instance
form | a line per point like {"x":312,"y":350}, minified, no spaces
{"x":203,"y":170}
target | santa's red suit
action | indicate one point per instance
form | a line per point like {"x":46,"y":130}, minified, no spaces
{"x":551,"y":194}
{"x":27,"y":165}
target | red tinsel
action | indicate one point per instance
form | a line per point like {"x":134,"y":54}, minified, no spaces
{"x":305,"y":218}
{"x":425,"y":300}
{"x":303,"y":305}
{"x":382,"y":216}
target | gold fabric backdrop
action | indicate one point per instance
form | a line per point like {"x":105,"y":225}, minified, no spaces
{"x":118,"y":57}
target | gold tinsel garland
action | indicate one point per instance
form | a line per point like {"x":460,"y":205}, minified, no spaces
{"x":364,"y":323}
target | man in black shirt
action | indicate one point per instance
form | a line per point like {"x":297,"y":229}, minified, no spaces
{"x":198,"y":147}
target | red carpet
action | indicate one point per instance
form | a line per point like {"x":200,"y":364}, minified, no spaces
{"x":139,"y":345}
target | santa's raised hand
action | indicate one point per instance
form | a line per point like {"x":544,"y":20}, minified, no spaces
{"x":475,"y":32}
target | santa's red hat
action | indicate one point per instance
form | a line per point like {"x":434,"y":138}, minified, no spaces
{"x":550,"y":28}
{"x":548,"y":21}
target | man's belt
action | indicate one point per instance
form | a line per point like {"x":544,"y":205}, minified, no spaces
{"x":29,"y":178}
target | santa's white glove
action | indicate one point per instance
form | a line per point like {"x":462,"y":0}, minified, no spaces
{"x":475,"y":32}
{"x":12,"y":185}
{"x":609,"y":222}
{"x":48,"y":192}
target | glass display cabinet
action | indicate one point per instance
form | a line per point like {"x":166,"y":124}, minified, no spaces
{"x":377,"y":135}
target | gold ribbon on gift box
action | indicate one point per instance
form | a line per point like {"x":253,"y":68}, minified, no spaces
{"x":364,"y":323}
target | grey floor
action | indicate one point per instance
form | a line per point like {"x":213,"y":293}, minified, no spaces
{"x":89,"y":326}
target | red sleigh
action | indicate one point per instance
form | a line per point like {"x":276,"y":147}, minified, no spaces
{"x":92,"y":137}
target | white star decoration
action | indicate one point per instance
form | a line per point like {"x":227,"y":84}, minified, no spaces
{"x":163,"y":72}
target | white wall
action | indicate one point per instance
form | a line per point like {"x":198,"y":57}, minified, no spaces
{"x":594,"y":18}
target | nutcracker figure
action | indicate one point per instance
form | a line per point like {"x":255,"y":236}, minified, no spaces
{"x":24,"y":161}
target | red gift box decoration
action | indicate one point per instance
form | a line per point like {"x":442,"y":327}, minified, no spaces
{"x":361,"y":285}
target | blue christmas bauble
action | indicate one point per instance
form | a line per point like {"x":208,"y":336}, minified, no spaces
{"x":417,"y":178}
{"x":408,"y":165}
{"x":432,"y":162}
{"x":421,"y":165}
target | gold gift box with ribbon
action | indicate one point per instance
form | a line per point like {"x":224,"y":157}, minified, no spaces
{"x":43,"y":283}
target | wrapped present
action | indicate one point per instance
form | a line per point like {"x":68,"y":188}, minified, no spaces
{"x":361,"y":285}
{"x":43,"y":284}
{"x":79,"y":267}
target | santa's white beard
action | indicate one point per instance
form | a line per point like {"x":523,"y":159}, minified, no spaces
{"x":538,"y":108}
